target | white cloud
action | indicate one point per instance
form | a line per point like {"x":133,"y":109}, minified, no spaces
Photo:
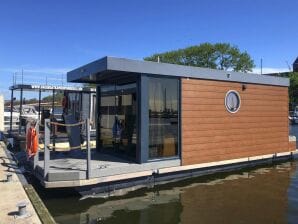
{"x":269,"y":70}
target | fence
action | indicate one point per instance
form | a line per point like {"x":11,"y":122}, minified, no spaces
{"x":48,"y":147}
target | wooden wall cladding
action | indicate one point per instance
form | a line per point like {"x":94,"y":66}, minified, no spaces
{"x":210,"y":133}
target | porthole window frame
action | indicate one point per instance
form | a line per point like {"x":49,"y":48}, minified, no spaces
{"x":226,"y":97}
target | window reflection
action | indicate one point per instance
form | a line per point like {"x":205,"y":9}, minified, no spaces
{"x":163,"y":117}
{"x":118,"y":119}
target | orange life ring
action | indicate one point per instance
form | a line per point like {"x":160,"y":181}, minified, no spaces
{"x":32,"y":141}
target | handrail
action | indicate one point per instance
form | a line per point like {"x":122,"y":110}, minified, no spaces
{"x":48,"y":147}
{"x":67,"y":125}
{"x":69,"y":148}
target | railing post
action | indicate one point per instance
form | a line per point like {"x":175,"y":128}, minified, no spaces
{"x":11,"y":113}
{"x":36,"y":156}
{"x":88,"y":148}
{"x":21,"y":110}
{"x":47,"y":135}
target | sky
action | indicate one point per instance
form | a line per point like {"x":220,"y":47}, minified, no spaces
{"x":46,"y":39}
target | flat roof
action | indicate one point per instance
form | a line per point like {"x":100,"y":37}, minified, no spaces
{"x":108,"y":67}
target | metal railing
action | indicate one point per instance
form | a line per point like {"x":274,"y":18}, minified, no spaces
{"x":48,"y":147}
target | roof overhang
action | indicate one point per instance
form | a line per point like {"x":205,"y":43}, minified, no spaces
{"x":110,"y":67}
{"x":28,"y":87}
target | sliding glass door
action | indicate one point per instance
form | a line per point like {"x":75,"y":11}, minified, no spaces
{"x":118,"y":108}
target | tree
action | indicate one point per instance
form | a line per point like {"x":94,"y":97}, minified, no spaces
{"x":49,"y":98}
{"x":89,"y":85}
{"x":217,"y":56}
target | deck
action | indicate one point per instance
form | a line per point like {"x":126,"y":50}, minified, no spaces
{"x":70,"y":170}
{"x":72,"y":166}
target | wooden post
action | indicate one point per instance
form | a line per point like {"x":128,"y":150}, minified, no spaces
{"x":36,"y":156}
{"x":47,"y":135}
{"x":88,"y":148}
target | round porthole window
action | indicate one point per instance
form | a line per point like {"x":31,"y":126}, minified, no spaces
{"x":232,"y":101}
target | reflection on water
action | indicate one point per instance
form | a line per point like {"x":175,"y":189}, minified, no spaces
{"x":293,"y":198}
{"x":262,"y":195}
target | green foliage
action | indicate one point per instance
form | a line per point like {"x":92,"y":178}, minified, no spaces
{"x":30,"y":101}
{"x":89,"y":85}
{"x":217,"y":56}
{"x":58,"y":97}
{"x":293,"y":89}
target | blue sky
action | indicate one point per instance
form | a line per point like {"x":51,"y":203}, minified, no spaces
{"x":49,"y":38}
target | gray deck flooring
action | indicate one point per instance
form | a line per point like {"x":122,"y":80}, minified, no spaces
{"x":72,"y":165}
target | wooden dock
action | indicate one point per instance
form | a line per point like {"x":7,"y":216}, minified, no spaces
{"x":14,"y":192}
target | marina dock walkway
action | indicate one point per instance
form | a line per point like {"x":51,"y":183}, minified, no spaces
{"x":12,"y":193}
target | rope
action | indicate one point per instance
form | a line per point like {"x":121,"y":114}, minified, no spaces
{"x":67,"y":125}
{"x":61,"y":148}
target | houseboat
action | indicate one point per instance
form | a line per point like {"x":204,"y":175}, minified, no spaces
{"x":158,"y":122}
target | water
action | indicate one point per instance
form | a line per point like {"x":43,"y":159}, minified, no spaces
{"x":262,"y":195}
{"x":266,"y":194}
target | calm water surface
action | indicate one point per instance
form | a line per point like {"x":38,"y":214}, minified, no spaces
{"x":262,"y":195}
{"x":267,"y":194}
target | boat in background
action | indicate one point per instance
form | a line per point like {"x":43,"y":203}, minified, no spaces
{"x":15,"y":118}
{"x":293,"y":116}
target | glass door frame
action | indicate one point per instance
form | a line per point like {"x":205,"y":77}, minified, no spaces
{"x":99,"y":117}
{"x":142,"y":118}
{"x":143,"y":122}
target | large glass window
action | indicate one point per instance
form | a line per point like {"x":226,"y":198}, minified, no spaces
{"x":74,"y":105}
{"x":118,"y":119}
{"x":93,"y":111}
{"x":163,"y":117}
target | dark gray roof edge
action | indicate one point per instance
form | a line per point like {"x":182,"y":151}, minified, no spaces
{"x":148,"y":67}
{"x":94,"y":67}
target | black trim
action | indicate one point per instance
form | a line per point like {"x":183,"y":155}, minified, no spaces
{"x":179,"y":120}
{"x":144,"y":119}
{"x":97,"y":117}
